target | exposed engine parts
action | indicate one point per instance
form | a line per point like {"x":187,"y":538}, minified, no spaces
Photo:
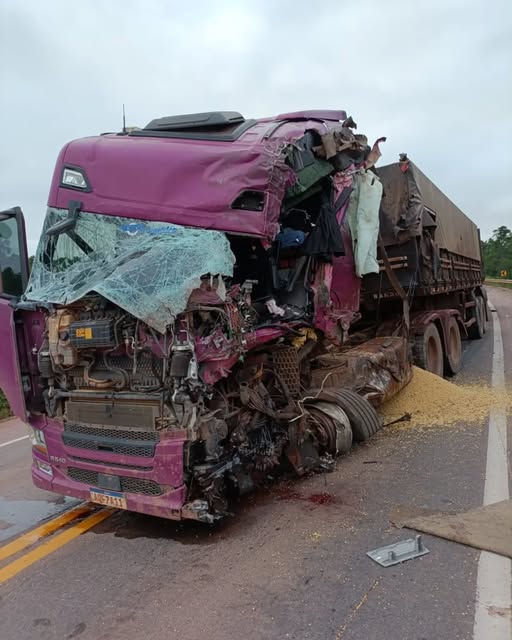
{"x":92,"y":345}
{"x":103,"y":368}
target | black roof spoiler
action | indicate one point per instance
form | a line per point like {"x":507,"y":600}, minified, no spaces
{"x":209,"y":119}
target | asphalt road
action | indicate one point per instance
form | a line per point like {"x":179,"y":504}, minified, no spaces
{"x":21,"y":504}
{"x":291,"y":564}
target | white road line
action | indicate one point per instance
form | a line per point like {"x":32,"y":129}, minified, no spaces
{"x":493,"y":613}
{"x":4,"y":444}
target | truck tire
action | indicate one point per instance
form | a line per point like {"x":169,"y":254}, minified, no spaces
{"x":483,"y":313}
{"x":364,"y":420}
{"x":339,"y":431}
{"x":477,"y":330}
{"x":428,"y":350}
{"x":453,"y":359}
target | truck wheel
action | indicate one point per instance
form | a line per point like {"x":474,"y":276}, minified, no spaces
{"x":364,"y":420}
{"x":477,"y":329}
{"x":453,"y":360}
{"x":428,"y":350}
{"x":333,"y":425}
{"x":483,"y":313}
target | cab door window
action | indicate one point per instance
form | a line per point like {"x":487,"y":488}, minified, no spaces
{"x":13,"y":261}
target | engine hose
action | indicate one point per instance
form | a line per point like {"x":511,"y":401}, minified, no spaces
{"x":99,"y":384}
{"x":117,"y":370}
{"x":121,"y":372}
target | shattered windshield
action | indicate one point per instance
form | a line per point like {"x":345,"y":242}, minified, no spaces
{"x":147,"y":268}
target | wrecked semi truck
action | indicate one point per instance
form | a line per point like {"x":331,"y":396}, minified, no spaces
{"x":216,"y":300}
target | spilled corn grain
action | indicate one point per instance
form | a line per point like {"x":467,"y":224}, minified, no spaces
{"x":433,"y":401}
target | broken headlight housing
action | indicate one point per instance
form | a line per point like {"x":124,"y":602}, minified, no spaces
{"x":38,"y":440}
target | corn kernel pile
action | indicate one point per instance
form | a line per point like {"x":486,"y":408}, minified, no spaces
{"x":433,"y":401}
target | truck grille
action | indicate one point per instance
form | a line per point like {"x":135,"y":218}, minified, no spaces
{"x":286,"y":365}
{"x":126,"y":434}
{"x":120,"y":441}
{"x":137,"y":467}
{"x":128,"y":485}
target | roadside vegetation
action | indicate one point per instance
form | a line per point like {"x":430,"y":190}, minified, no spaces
{"x":497,"y":254}
{"x":5,"y":410}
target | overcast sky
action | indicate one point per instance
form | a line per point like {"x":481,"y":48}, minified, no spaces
{"x":433,"y":76}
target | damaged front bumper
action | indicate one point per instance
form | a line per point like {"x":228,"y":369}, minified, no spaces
{"x":151,"y":485}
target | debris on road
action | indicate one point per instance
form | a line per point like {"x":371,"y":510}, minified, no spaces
{"x":487,"y":528}
{"x":434,"y":401}
{"x":398,"y":552}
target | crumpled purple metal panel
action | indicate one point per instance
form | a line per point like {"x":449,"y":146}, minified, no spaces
{"x":185,"y":181}
{"x":320,"y":114}
{"x":376,"y":369}
{"x":10,"y":377}
{"x":340,"y":308}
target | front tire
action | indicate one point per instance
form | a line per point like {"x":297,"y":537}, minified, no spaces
{"x":364,"y":420}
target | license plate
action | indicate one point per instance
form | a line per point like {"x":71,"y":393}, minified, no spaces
{"x":108,"y":498}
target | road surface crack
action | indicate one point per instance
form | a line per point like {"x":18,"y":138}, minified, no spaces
{"x":350,"y":617}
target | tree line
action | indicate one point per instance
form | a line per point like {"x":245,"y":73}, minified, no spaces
{"x":497,"y":253}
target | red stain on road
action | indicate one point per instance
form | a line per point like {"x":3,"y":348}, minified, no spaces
{"x":285,"y":493}
{"x":322,"y":498}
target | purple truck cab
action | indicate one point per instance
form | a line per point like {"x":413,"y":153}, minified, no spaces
{"x":189,"y":279}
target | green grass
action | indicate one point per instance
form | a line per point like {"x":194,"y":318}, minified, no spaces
{"x":507,"y":285}
{"x":5,"y":410}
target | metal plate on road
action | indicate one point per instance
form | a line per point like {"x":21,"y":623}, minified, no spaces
{"x":398,"y":552}
{"x":108,"y":498}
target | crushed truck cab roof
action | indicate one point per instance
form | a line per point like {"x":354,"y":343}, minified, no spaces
{"x":230,"y":175}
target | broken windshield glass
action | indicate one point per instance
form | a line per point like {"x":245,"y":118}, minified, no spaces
{"x":147,"y":268}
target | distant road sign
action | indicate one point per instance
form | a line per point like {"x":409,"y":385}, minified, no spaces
{"x":503,"y":273}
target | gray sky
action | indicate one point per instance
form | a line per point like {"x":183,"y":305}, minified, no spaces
{"x":434,"y":76}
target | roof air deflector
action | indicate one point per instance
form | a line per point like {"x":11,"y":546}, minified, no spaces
{"x":209,"y":119}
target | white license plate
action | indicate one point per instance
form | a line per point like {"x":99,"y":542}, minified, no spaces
{"x":108,"y":498}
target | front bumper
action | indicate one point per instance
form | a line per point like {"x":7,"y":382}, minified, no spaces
{"x":168,"y":505}
{"x":151,"y":485}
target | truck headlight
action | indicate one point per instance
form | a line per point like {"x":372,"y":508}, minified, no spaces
{"x":75,"y":178}
{"x":38,"y":440}
{"x":45,"y":467}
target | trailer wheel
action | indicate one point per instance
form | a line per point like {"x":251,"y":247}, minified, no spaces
{"x":453,"y":359}
{"x":428,"y":350}
{"x":364,"y":420}
{"x":483,"y":313}
{"x":477,"y":330}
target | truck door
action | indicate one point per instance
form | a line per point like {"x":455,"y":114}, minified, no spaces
{"x":13,"y":281}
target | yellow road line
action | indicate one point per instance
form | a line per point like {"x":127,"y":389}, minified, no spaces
{"x":27,"y":539}
{"x":52,"y":545}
